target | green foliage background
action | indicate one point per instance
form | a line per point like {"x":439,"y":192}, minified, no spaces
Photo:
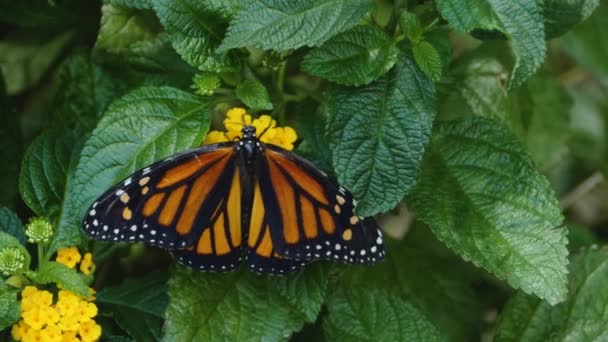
{"x":476,"y":131}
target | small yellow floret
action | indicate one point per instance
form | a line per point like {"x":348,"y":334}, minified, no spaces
{"x":89,"y":331}
{"x":34,"y":319}
{"x":32,"y":336}
{"x":19,"y":330}
{"x":51,"y":333}
{"x":87,"y":266}
{"x":68,"y":256}
{"x":214,"y":137}
{"x":69,"y":336}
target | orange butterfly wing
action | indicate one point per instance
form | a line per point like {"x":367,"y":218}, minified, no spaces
{"x":309,"y":216}
{"x":189,"y":202}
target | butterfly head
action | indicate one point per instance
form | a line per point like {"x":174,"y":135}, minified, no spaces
{"x":248,"y":132}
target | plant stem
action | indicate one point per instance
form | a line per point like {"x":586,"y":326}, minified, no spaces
{"x":41,"y":255}
{"x":281,"y":77}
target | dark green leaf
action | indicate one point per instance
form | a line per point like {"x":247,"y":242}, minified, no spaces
{"x":85,"y":90}
{"x":283,"y":25}
{"x":45,"y":170}
{"x":137,"y":305}
{"x":67,"y":278}
{"x":313,"y":145}
{"x":363,"y":314}
{"x":305,"y":290}
{"x":520,"y":20}
{"x":355,"y":57}
{"x":481,"y":195}
{"x":10,"y":309}
{"x":468,"y":15}
{"x":378,"y":134}
{"x":136,"y":37}
{"x":147,"y":294}
{"x":428,"y":59}
{"x":196,"y":29}
{"x":26,"y":57}
{"x":143,"y":126}
{"x":445,"y":295}
{"x":581,"y":318}
{"x":563,"y":15}
{"x":11,"y":224}
{"x":139,"y":4}
{"x":440,"y":40}
{"x":240,"y":306}
{"x":253,"y":94}
{"x":123,"y":29}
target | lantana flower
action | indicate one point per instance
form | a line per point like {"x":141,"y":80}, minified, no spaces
{"x":69,"y":256}
{"x":68,"y":318}
{"x":265,"y":129}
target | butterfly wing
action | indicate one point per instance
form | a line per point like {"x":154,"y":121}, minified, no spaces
{"x":263,"y":256}
{"x":309,"y":216}
{"x":188,"y":203}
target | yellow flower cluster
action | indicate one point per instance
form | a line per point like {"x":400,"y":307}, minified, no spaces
{"x":265,"y":129}
{"x":70,"y":318}
{"x":71,"y":257}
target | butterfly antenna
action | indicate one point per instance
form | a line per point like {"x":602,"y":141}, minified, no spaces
{"x":265,"y":129}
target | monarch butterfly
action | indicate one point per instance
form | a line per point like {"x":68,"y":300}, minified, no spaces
{"x":218,"y":204}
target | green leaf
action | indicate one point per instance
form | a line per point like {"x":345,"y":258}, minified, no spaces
{"x":8,"y":240}
{"x":145,"y":125}
{"x":305,"y":290}
{"x":283,"y":25}
{"x":45,"y":170}
{"x":26,"y":57}
{"x":240,"y":306}
{"x":378,"y":134}
{"x":480,"y":87}
{"x":136,"y":37}
{"x":520,"y":20}
{"x":445,"y":295}
{"x":468,"y":15}
{"x":196,"y":29}
{"x":69,"y":279}
{"x":253,"y":94}
{"x":11,"y":224}
{"x":410,"y":25}
{"x":480,"y":194}
{"x":537,"y":112}
{"x":137,"y":305}
{"x":588,"y":42}
{"x":355,"y":57}
{"x":581,"y":318}
{"x":10,"y":309}
{"x":122,"y":28}
{"x":440,"y":40}
{"x":311,"y":129}
{"x":562,"y":15}
{"x":363,"y":314}
{"x":139,"y":4}
{"x":85,"y":90}
{"x":428,"y":59}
